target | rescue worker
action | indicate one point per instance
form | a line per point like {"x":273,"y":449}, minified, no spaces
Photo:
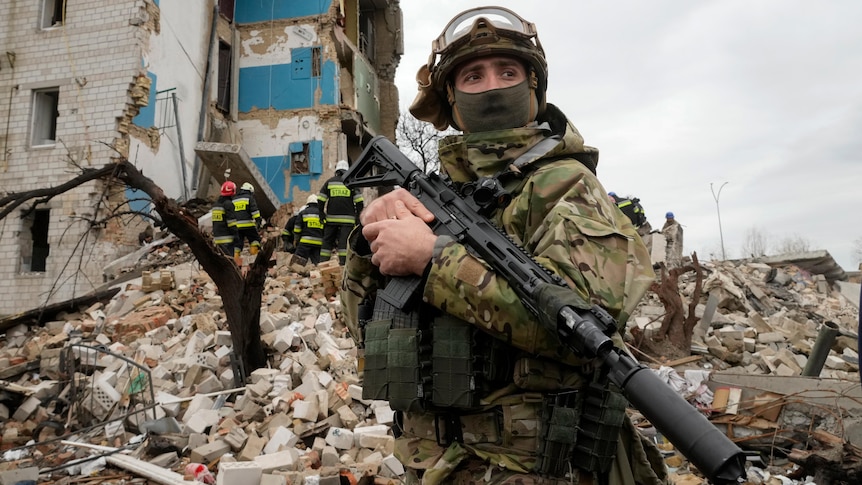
{"x":341,"y":206}
{"x":287,"y":232}
{"x":632,"y":208}
{"x":493,"y":423}
{"x":672,"y":232}
{"x":247,"y":221}
{"x":308,"y":231}
{"x":223,"y":219}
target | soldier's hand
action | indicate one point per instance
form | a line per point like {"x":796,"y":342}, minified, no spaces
{"x":402,"y":244}
{"x":384,"y":207}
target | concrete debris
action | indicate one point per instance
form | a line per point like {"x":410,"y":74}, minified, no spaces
{"x":145,"y":386}
{"x":778,"y":368}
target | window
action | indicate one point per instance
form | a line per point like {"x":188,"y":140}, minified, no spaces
{"x":34,"y":241}
{"x":316,"y":61}
{"x":299,"y":158}
{"x":45,"y":113}
{"x":225,"y":7}
{"x":53,"y":13}
{"x":366,"y":33}
{"x":224,"y":76}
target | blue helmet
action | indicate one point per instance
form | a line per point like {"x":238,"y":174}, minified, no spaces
{"x":669,"y":215}
{"x":612,"y":194}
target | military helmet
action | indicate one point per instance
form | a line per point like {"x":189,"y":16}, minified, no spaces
{"x":477,"y":32}
{"x":228,"y":188}
{"x":248,"y":186}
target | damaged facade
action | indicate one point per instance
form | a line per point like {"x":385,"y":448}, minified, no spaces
{"x":272,"y":93}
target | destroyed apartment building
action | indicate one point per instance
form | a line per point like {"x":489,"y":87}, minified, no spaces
{"x":140,"y":385}
{"x":270,"y":92}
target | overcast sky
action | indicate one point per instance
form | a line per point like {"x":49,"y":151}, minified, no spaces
{"x":764,"y":95}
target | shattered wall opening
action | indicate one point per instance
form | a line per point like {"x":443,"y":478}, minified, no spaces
{"x":33,"y":240}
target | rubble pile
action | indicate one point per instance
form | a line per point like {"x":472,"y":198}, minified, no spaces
{"x":775,"y":364}
{"x":302,"y":420}
{"x":764,"y":319}
{"x":146,"y":386}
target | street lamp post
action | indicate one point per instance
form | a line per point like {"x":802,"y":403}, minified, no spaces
{"x":716,"y":195}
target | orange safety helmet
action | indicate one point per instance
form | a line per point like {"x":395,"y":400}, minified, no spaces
{"x":228,"y":188}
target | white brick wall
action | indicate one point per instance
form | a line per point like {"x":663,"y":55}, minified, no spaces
{"x":98,"y":45}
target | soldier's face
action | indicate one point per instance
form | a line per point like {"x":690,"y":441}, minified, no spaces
{"x":489,"y":72}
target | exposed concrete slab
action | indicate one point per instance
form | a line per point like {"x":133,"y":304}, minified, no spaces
{"x":815,"y":262}
{"x":218,"y":157}
{"x":850,"y":291}
{"x":813,"y":390}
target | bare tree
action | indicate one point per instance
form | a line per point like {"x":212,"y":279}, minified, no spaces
{"x":793,"y":244}
{"x":241,"y":294}
{"x":673,"y":339}
{"x":418,"y":140}
{"x":755,"y":243}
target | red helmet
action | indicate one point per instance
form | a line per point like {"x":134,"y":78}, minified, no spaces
{"x":228,"y":188}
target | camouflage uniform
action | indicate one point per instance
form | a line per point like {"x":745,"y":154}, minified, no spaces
{"x":561,"y":214}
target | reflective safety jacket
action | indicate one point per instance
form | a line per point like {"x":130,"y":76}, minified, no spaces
{"x":633,"y":209}
{"x":308,"y":228}
{"x":224,"y":220}
{"x":245,"y":209}
{"x":340,"y":204}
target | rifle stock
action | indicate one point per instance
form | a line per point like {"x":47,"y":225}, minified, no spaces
{"x":585,"y":331}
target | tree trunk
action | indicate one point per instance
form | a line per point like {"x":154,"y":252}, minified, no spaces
{"x":677,"y":329}
{"x":241,"y":297}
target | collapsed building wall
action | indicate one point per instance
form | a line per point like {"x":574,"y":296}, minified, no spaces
{"x":68,"y":79}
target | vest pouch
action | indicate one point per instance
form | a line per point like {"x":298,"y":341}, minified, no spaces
{"x":408,"y":388}
{"x":375,"y":374}
{"x":580,"y":429}
{"x":602,"y":414}
{"x":453,"y":364}
{"x":537,"y":375}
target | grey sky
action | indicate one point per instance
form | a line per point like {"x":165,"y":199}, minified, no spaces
{"x":765,"y":95}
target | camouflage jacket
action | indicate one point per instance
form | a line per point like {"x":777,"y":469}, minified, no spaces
{"x":561,"y":214}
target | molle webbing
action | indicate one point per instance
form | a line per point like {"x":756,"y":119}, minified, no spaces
{"x":580,"y":429}
{"x":375,"y":380}
{"x":453,"y":364}
{"x":397,"y":353}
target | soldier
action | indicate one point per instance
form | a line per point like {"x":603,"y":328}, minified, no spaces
{"x":308,"y":231}
{"x":247,"y":221}
{"x":488,"y":372}
{"x":223,"y":219}
{"x":340,"y":205}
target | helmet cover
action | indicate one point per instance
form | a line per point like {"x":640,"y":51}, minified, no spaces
{"x":476,"y":32}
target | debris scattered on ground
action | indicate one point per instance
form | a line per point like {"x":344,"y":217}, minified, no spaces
{"x":145,"y":387}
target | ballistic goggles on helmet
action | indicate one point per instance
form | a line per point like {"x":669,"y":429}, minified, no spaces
{"x":500,"y":21}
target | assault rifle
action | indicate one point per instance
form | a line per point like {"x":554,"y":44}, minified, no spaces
{"x":585,"y":331}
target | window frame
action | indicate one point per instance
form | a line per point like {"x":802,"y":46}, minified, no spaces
{"x":39,"y":117}
{"x":48,"y":16}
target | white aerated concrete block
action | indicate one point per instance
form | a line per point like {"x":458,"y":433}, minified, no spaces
{"x":391,"y":467}
{"x":377,"y":429}
{"x":283,"y":460}
{"x":244,"y":472}
{"x":281,"y":438}
{"x":340,"y":438}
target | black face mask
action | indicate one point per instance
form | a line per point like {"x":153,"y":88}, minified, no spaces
{"x":497,"y":109}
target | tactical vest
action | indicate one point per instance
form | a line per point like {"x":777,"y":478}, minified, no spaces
{"x":430,"y":364}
